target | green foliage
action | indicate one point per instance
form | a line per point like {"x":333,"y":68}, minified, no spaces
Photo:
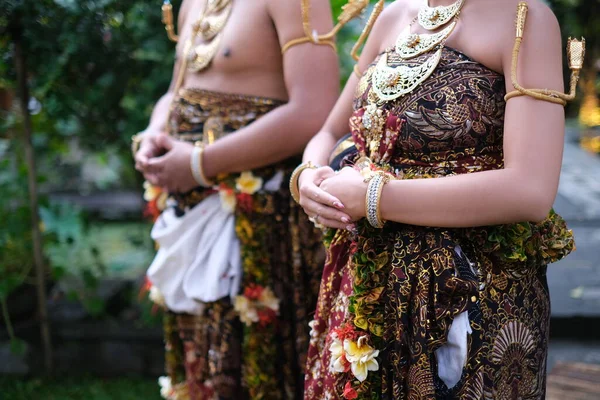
{"x":96,"y":66}
{"x":69,"y":388}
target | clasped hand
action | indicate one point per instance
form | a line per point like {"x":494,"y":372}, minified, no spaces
{"x":165,"y":162}
{"x":332,"y":199}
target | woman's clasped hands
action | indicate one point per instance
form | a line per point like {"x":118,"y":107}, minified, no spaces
{"x":333,"y":199}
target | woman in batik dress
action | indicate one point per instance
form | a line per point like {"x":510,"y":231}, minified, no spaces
{"x":449,"y":298}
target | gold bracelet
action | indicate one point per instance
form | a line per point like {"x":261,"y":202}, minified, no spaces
{"x":136,"y":141}
{"x":373,"y":199}
{"x":294,"y":189}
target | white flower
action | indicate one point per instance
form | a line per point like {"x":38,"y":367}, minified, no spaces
{"x":156,"y":296}
{"x":338,"y":361}
{"x":166,"y":389}
{"x":248,"y":183}
{"x":245,"y":310}
{"x":228,"y":200}
{"x":268,"y":299}
{"x":361,"y":356}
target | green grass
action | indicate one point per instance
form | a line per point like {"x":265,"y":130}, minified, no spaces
{"x":12,"y":388}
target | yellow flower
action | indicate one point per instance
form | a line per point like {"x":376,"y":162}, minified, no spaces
{"x":156,"y":296}
{"x":268,"y":299}
{"x":161,"y":201}
{"x":228,"y":200}
{"x":245,"y":310}
{"x":248,"y":183}
{"x":151,"y":192}
{"x":361,"y":356}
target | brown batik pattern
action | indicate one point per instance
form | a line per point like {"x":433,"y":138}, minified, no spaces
{"x":206,"y":350}
{"x":451,"y":124}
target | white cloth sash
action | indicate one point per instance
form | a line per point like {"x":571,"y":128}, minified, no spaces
{"x":198,"y":260}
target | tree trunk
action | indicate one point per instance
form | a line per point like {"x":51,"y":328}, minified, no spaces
{"x":40,"y":270}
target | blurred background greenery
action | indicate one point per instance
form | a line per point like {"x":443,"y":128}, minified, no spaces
{"x":95,"y":69}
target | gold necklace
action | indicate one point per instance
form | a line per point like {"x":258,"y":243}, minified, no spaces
{"x":389,"y":83}
{"x":432,"y":18}
{"x":208,"y":29}
{"x":414,"y":44}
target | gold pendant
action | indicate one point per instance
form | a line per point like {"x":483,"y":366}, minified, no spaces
{"x":212,"y":25}
{"x":389,"y":83}
{"x":208,"y":29}
{"x":413,"y":45}
{"x":432,"y":18}
{"x":200,"y":56}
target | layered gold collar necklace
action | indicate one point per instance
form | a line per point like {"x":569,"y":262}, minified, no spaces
{"x":389,"y":83}
{"x":203,"y":43}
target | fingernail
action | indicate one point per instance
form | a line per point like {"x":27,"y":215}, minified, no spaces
{"x":351,"y":228}
{"x":346,"y":220}
{"x":338,"y":205}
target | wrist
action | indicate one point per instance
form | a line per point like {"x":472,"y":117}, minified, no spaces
{"x":295,"y":179}
{"x":373,"y":199}
{"x":197,"y":166}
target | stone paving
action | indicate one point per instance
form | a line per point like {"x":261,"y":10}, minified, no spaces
{"x":575,"y":281}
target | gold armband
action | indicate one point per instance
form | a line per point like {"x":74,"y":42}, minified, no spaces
{"x":168,"y":20}
{"x":294,"y":189}
{"x":350,"y":10}
{"x":575,"y":54}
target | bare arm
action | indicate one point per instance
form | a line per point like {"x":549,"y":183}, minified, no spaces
{"x":533,"y":142}
{"x":312,"y":79}
{"x":336,"y":126}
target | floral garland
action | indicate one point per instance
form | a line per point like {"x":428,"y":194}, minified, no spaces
{"x":257,"y":305}
{"x":355,"y":346}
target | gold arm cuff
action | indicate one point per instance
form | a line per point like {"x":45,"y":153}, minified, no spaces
{"x":539,"y":94}
{"x":357,"y":71}
{"x":294,"y":189}
{"x":302,"y":40}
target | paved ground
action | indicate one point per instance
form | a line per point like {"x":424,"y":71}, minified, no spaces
{"x":575,"y":281}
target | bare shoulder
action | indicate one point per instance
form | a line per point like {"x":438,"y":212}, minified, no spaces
{"x":540,"y":57}
{"x":541,"y":25}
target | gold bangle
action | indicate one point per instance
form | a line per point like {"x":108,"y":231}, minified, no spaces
{"x":294,"y":189}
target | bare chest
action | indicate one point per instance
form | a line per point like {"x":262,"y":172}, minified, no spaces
{"x":247,"y":40}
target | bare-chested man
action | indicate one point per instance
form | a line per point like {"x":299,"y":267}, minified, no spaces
{"x":238,"y":265}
